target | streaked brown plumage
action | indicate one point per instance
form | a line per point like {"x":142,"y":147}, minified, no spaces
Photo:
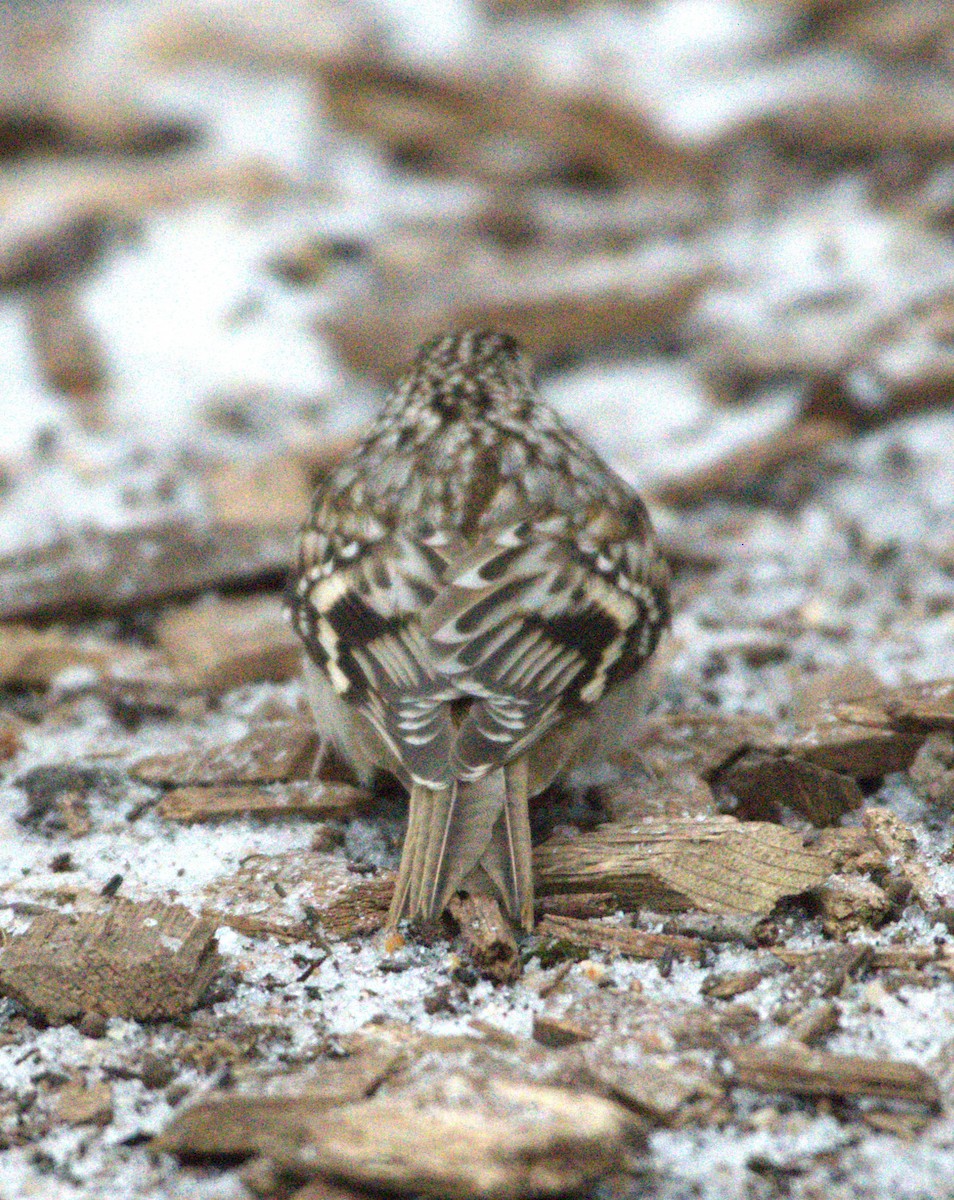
{"x":477,"y":594}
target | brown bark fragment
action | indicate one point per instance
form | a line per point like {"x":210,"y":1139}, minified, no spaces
{"x":619,"y":939}
{"x":726,"y":984}
{"x":768,"y":784}
{"x":473,"y":1141}
{"x":323,"y":800}
{"x":215,"y":645}
{"x":33,"y":659}
{"x":487,"y":936}
{"x":274,"y":752}
{"x":926,"y":706}
{"x":148,"y":961}
{"x":556,"y":1032}
{"x":748,"y":466}
{"x":885,"y":117}
{"x":899,"y":845}
{"x":700,"y":744}
{"x":552,"y":310}
{"x":115,"y":570}
{"x":794,"y":1068}
{"x":836,"y":742}
{"x":718,"y":865}
{"x":667,"y":1092}
{"x":454,"y":118}
{"x":267,"y":894}
{"x":264,"y":495}
{"x":67,"y":350}
{"x":814,"y":1023}
{"x":79,"y":1105}
{"x":850,"y":902}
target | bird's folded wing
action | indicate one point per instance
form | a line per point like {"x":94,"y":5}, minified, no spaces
{"x":535,"y":626}
{"x":357,"y":610}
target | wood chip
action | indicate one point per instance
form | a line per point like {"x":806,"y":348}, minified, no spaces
{"x":667,"y":1092}
{"x":724,"y":985}
{"x":455,"y":1138}
{"x":113,"y":570}
{"x":647,"y":1026}
{"x":928,"y":706}
{"x":899,"y":845}
{"x":620,"y":939}
{"x":700,"y":744}
{"x":836,"y":964}
{"x":582,"y":905}
{"x":556,"y":1032}
{"x":274,"y":752}
{"x":268,"y":893}
{"x":35,"y":659}
{"x":501,"y":1141}
{"x":750,"y":931}
{"x":488,"y":938}
{"x":455,"y":117}
{"x":814,"y":1023}
{"x":718,"y":865}
{"x":553,"y":310}
{"x":215,"y":645}
{"x":932,"y":771}
{"x":275,"y":40}
{"x":67,"y":350}
{"x":147,"y":962}
{"x":322,"y":800}
{"x":850,"y":902}
{"x":795,"y":1068}
{"x":79,"y":1105}
{"x":678,"y":794}
{"x":835,"y":742}
{"x":875,"y":120}
{"x":767,"y":785}
{"x":743,"y":469}
{"x":226,"y":1124}
{"x":878,"y":733}
{"x":266,"y":495}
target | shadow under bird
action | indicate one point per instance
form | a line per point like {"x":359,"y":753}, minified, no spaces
{"x":478,"y":595}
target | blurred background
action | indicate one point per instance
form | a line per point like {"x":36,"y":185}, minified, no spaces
{"x":722,"y":227}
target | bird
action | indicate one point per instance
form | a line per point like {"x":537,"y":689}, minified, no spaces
{"x":478,"y":595}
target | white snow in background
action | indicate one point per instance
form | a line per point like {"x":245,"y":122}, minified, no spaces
{"x":191,"y":315}
{"x":186,"y":313}
{"x":26,"y":408}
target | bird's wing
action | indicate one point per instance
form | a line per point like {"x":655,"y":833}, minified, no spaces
{"x":538,"y":621}
{"x":356,"y":606}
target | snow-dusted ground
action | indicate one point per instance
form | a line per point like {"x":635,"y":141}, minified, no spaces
{"x":189,"y":313}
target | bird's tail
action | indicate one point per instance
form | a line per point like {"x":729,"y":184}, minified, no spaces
{"x":452,"y":830}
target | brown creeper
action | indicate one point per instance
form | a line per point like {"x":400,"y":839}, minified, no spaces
{"x":477,"y":593}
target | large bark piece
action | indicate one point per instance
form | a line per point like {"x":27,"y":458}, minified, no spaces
{"x":114,"y":570}
{"x":322,"y":800}
{"x":273,"y":752}
{"x":794,"y":1068}
{"x":148,"y":962}
{"x":719,"y":865}
{"x":455,"y":1138}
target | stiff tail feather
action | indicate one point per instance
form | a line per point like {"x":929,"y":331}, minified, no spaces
{"x":451,"y":830}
